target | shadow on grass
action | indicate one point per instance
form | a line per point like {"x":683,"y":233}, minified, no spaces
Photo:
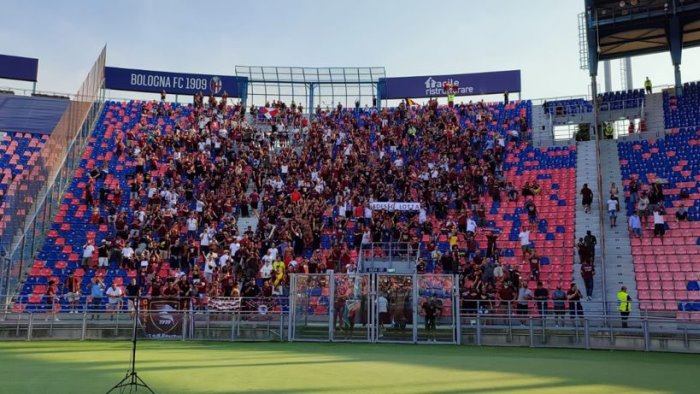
{"x":91,"y":367}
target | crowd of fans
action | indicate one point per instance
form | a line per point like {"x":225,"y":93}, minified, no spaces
{"x":310,"y":185}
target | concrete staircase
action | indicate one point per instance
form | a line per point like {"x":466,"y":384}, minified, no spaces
{"x":251,"y":220}
{"x":541,"y":131}
{"x":586,"y":172}
{"x":654,"y":112}
{"x":619,"y":268}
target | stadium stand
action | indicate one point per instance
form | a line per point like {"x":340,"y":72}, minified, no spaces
{"x":18,"y":153}
{"x":664,"y":266}
{"x":682,"y":111}
{"x":612,"y":101}
{"x":172,"y":162}
{"x":568,"y":107}
{"x":609,"y":101}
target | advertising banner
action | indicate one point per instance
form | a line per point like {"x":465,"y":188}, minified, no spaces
{"x":173,"y":83}
{"x":19,"y":68}
{"x":463,"y":84}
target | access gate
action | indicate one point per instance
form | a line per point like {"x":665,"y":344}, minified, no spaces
{"x":374,"y":307}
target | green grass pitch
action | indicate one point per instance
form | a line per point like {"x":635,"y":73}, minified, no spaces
{"x":197,"y":367}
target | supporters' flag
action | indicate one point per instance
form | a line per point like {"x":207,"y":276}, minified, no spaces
{"x":268,"y":112}
{"x":411,"y":103}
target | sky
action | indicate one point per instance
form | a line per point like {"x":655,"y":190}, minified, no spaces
{"x":408,"y":37}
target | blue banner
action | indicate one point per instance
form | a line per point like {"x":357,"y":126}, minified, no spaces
{"x":173,"y":83}
{"x":20,"y":68}
{"x":462,"y":85}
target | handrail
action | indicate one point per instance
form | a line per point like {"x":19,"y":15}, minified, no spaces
{"x":601,"y":218}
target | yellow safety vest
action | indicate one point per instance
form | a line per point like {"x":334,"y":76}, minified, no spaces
{"x":609,"y":131}
{"x":624,"y":306}
{"x":647,"y":83}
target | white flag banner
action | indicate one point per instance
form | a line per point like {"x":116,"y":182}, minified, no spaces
{"x":395,"y":206}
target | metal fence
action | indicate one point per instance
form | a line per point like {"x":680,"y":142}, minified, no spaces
{"x":187,"y":318}
{"x":353,"y":311}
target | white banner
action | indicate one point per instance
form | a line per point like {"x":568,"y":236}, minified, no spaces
{"x":395,"y":206}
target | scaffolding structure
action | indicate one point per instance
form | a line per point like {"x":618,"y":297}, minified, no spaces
{"x":312,"y":86}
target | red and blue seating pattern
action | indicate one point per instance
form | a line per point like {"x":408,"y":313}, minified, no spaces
{"x":553,"y":168}
{"x":612,"y":101}
{"x":665,"y":267}
{"x":71,"y":228}
{"x":18,"y":153}
{"x":684,"y":110}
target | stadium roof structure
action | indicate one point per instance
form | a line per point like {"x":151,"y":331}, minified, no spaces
{"x":312,"y":85}
{"x":315,"y":75}
{"x":624,"y":28}
{"x":637,"y":27}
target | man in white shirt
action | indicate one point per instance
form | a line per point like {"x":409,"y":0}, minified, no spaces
{"x":152,"y":192}
{"x":127,"y":254}
{"x":88,"y":250}
{"x":471,"y":227}
{"x":234,"y":246}
{"x":612,"y":211}
{"x":273,"y":253}
{"x":524,"y":239}
{"x":209,"y":265}
{"x":383,"y":311}
{"x":266,"y":269}
{"x":114,"y":295}
{"x":268,"y":258}
{"x":205,"y":239}
{"x":192,"y":226}
{"x":224,"y":258}
{"x":659,"y":223}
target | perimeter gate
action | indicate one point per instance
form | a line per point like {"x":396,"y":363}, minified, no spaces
{"x":373,"y":307}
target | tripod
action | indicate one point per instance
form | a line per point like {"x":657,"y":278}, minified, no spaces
{"x":132,"y":381}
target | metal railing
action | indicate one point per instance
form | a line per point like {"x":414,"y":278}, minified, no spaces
{"x":36,"y":200}
{"x":388,"y":257}
{"x":493,"y":323}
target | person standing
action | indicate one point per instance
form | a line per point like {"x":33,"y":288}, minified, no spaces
{"x":635,"y":225}
{"x":624,"y":302}
{"x":614,"y":191}
{"x":587,"y":198}
{"x":53,"y":301}
{"x":590,"y":241}
{"x":383,"y":312}
{"x":574,"y":296}
{"x":559,"y":301}
{"x":88,"y":250}
{"x":132,"y":294}
{"x":114,"y":295}
{"x":542,"y":297}
{"x":613,"y":207}
{"x":524,"y":297}
{"x":647,"y":85}
{"x":433,"y":310}
{"x":96,"y":293}
{"x":659,"y":223}
{"x":524,"y":236}
{"x":587,"y":273}
{"x":72,"y":286}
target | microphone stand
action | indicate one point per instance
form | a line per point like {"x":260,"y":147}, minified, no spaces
{"x":132,"y":382}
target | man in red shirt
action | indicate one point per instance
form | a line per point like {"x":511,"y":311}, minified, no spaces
{"x":587,"y":273}
{"x":72,"y":286}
